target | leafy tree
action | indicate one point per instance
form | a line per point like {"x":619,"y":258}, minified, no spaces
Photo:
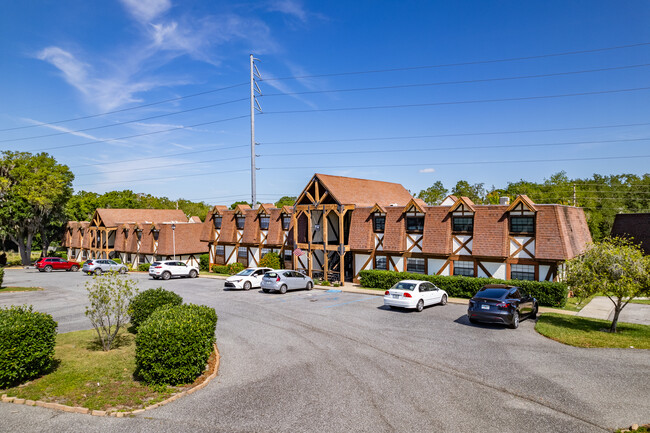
{"x":33,"y":190}
{"x":614,"y":267}
{"x":286,"y":201}
{"x":434,"y":194}
{"x":475,"y":192}
{"x":109,"y":295}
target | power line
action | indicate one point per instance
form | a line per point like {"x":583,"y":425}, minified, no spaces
{"x":123,"y":123}
{"x":474,"y":101}
{"x":476,"y":62}
{"x":166,"y":177}
{"x":443,"y":83}
{"x":454,"y":148}
{"x":143,"y":134}
{"x":167,"y":165}
{"x":464,"y":134}
{"x":125,"y":109}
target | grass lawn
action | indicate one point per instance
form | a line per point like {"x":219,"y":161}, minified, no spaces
{"x":86,"y":376}
{"x":640,"y":301}
{"x":18,"y":289}
{"x":572,"y":304}
{"x":586,"y":332}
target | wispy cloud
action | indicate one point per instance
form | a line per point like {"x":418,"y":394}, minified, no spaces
{"x":427,"y":170}
{"x":146,"y":10}
{"x":66,"y":130}
{"x":289,"y":7}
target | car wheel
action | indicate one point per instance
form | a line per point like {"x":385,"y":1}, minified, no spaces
{"x":515,"y":320}
{"x":309,"y":286}
{"x":443,"y":301}
{"x":266,"y":290}
{"x":193,"y":274}
{"x":283,"y":289}
{"x":533,"y":314}
{"x":166,"y":275}
{"x":98,"y":271}
{"x":47,"y":269}
{"x":247,"y":285}
{"x":74,"y":268}
{"x":122,"y":270}
{"x":420,"y":305}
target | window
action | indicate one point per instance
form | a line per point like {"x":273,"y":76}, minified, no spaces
{"x":381,"y":263}
{"x":522,"y":272}
{"x":265,"y":251}
{"x":415,"y":265}
{"x":264,"y":222}
{"x":155,"y":234}
{"x":286,"y":221}
{"x":414,"y":224}
{"x":138,"y":233}
{"x":241,"y":252}
{"x":379,"y":222}
{"x":287,"y":255}
{"x":463,"y":224}
{"x":126,"y":234}
{"x":522,"y":224}
{"x":464,"y":268}
{"x":217,"y":221}
{"x":220,"y":250}
{"x":240,"y":219}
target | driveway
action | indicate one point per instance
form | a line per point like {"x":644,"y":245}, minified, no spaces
{"x":341,"y":362}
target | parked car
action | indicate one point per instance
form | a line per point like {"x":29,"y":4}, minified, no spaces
{"x":283,"y":280}
{"x":498,"y":303}
{"x":98,"y":266}
{"x":414,"y":294}
{"x":172,"y":268}
{"x":49,"y":264}
{"x":249,"y":277}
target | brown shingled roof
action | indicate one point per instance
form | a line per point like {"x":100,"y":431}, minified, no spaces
{"x":561,"y":232}
{"x":251,"y":228}
{"x":635,"y":226}
{"x":364,"y":192}
{"x":395,"y":229}
{"x":188,"y":240}
{"x":276,"y":234}
{"x":490,"y":231}
{"x":206,"y":228}
{"x":361,"y":230}
{"x":228,"y":232}
{"x":113,"y":217}
{"x":437,"y":231}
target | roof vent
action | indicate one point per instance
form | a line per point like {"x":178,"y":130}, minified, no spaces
{"x":504,"y":201}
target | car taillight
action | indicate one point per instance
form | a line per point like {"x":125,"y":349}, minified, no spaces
{"x":277,"y":279}
{"x":503,"y":305}
{"x":386,"y":292}
{"x":407,"y":295}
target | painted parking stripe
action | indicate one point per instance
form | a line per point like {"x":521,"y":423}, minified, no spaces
{"x":351,"y":302}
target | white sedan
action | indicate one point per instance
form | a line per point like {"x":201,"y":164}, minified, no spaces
{"x":172,"y":268}
{"x":414,"y":294}
{"x":249,"y":277}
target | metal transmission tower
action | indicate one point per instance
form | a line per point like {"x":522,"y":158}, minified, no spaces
{"x":255,"y":105}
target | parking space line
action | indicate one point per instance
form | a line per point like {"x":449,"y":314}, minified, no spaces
{"x":351,"y":302}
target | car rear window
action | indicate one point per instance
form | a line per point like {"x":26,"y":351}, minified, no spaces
{"x":403,"y":286}
{"x":270,"y":275}
{"x":155,"y":264}
{"x":492,"y":293}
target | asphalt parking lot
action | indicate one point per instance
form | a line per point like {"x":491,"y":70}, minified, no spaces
{"x":318,"y":361}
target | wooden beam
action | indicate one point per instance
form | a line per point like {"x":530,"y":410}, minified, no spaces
{"x":326,"y":258}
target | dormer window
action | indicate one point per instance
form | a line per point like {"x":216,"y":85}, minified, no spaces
{"x":286,"y":221}
{"x":216,"y":220}
{"x":155,"y":234}
{"x":522,"y":225}
{"x":463,"y":224}
{"x":126,"y":234}
{"x":240,"y":220}
{"x":414,"y":214}
{"x":264,"y":222}
{"x":415,"y":224}
{"x":138,"y":233}
{"x":378,"y":223}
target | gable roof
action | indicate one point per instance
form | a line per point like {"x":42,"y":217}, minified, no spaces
{"x":418,"y":204}
{"x":466,"y":201}
{"x":525,"y":201}
{"x":265,"y":208}
{"x":362,"y":192}
{"x":561,"y":232}
{"x":114,"y":217}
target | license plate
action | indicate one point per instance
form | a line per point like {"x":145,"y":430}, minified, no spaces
{"x":485,"y":307}
{"x":395,"y":296}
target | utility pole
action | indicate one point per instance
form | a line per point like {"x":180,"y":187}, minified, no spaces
{"x":574,"y":195}
{"x":254,"y":106}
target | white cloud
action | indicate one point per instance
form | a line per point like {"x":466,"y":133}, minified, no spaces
{"x":146,"y":10}
{"x":427,"y":170}
{"x":66,"y":130}
{"x":289,"y":7}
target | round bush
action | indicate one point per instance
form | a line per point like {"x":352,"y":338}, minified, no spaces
{"x":144,"y":267}
{"x":147,"y":302}
{"x":270,"y":260}
{"x":234,"y":268}
{"x":172,"y":346}
{"x":27,"y":341}
{"x":204,"y":262}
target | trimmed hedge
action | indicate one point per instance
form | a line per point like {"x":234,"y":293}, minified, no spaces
{"x":547,"y":293}
{"x":27,"y":341}
{"x":220,"y":269}
{"x":144,"y":267}
{"x":173,"y":346}
{"x":147,"y":302}
{"x":204,"y":262}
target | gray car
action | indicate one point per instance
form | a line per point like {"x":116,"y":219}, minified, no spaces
{"x":283,"y":280}
{"x":98,"y":266}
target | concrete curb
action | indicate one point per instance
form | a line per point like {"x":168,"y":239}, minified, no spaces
{"x":85,"y":410}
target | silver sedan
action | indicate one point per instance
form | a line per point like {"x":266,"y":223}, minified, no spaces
{"x":97,"y":266}
{"x":283,"y":280}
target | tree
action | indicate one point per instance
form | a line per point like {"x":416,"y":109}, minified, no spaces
{"x":33,"y":190}
{"x":286,"y":201}
{"x":434,"y":194}
{"x":475,"y":192}
{"x":109,"y":295}
{"x":614,"y":267}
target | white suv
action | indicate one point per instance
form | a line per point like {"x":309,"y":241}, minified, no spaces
{"x":171,"y":268}
{"x":250,"y":277}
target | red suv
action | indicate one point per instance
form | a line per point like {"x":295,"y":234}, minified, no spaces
{"x":49,"y":264}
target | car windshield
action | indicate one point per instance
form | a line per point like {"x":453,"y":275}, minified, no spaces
{"x":246,"y":272}
{"x":403,"y":286}
{"x":493,"y":293}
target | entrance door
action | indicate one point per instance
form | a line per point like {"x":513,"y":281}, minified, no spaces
{"x":348,"y":260}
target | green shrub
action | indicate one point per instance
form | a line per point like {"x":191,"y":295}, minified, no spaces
{"x":2,"y":276}
{"x":173,"y":345}
{"x":27,"y":341}
{"x":117,"y":260}
{"x":204,"y":262}
{"x":220,"y":269}
{"x":547,"y":293}
{"x":147,"y":302}
{"x":234,"y":268}
{"x":270,"y":260}
{"x":144,"y":267}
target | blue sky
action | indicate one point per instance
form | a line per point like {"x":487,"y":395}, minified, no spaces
{"x":408,"y":92}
